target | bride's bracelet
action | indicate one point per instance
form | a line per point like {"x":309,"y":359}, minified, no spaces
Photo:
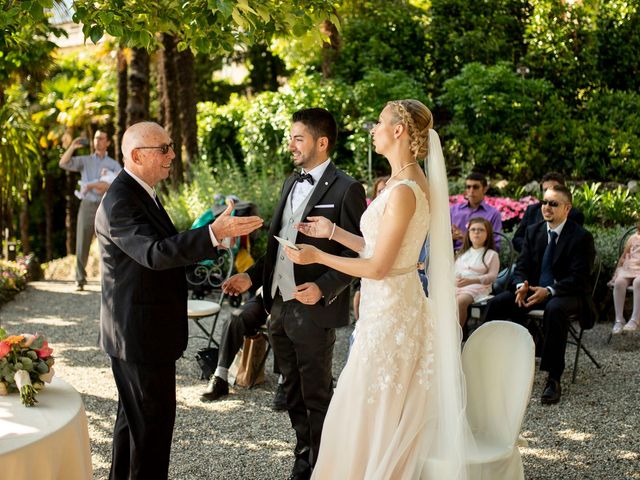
{"x":333,"y":230}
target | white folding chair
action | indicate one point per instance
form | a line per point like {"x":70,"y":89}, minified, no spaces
{"x":498,"y":362}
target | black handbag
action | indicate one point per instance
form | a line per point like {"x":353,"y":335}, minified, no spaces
{"x":207,"y":359}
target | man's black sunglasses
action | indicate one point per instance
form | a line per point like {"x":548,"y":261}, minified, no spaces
{"x":164,"y":149}
{"x":551,"y":203}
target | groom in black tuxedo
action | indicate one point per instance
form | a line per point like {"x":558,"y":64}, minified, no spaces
{"x":307,"y":302}
{"x":143,"y":316}
{"x":552,"y":274}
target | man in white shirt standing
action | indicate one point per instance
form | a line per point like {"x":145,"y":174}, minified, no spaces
{"x":90,"y":168}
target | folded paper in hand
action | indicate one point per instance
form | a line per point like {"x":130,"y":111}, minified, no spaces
{"x":286,"y":243}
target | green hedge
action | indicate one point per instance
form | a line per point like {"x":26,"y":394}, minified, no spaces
{"x":13,"y":279}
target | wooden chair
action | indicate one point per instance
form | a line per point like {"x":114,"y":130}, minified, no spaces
{"x":575,"y":332}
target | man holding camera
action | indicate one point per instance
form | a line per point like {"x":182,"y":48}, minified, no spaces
{"x":90,"y":168}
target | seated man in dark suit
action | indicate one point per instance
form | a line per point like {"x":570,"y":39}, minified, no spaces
{"x":533,"y":214}
{"x":244,"y":322}
{"x":552,"y":273}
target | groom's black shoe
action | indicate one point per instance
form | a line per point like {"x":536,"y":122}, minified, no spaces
{"x":216,"y":388}
{"x":301,"y":470}
{"x":551,"y":393}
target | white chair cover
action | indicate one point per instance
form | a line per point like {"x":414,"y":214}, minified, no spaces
{"x":498,"y":362}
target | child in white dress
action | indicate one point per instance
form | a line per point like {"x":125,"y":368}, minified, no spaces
{"x":477,"y":265}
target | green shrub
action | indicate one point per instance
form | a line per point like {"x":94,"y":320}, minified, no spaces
{"x":254,"y":183}
{"x":218,"y":128}
{"x":606,"y":207}
{"x":13,"y":279}
{"x":607,"y":240}
{"x":260,"y":127}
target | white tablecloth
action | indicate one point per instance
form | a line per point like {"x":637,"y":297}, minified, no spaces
{"x":49,"y":441}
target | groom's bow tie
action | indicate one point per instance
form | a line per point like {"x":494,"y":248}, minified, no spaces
{"x":301,"y":177}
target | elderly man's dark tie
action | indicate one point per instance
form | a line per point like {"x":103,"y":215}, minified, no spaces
{"x":301,"y":177}
{"x":546,"y":273}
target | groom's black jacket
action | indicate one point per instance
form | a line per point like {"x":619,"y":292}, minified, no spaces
{"x":343,"y":201}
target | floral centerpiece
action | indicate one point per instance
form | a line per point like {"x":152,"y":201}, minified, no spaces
{"x":25,"y":365}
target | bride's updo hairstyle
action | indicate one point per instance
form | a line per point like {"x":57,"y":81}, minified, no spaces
{"x":418,"y":120}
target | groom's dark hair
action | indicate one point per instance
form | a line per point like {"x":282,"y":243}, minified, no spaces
{"x":320,"y":123}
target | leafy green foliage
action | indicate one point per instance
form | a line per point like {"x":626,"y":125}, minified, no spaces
{"x":19,"y":161}
{"x":493,"y":110}
{"x":606,"y":141}
{"x":560,"y":41}
{"x":261,"y":126}
{"x":205,"y":26}
{"x":24,"y":39}
{"x":606,"y":207}
{"x":618,"y":44}
{"x":606,"y":241}
{"x":462,"y":32}
{"x":588,"y":199}
{"x":379,"y":34}
{"x":257,"y":183}
{"x":13,"y":279}
{"x":218,"y":129}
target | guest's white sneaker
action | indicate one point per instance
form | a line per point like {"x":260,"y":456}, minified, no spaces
{"x":631,"y":326}
{"x":618,"y":327}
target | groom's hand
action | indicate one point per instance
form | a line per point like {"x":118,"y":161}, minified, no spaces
{"x":227,"y":226}
{"x":308,"y":293}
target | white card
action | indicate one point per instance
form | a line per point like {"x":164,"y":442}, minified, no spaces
{"x":286,"y":243}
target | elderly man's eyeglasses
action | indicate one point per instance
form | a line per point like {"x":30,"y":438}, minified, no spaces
{"x":164,"y":149}
{"x":551,"y":203}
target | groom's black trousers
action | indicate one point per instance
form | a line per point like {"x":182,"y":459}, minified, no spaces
{"x":304,"y":352}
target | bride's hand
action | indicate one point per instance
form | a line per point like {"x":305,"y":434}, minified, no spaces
{"x":317,"y":227}
{"x":306,"y":255}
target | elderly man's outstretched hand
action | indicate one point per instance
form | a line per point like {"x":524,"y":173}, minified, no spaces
{"x":226,"y":225}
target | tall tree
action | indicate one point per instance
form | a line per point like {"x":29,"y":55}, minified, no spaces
{"x":185,"y":65}
{"x":121,"y":109}
{"x":138,"y":86}
{"x":169,"y":102}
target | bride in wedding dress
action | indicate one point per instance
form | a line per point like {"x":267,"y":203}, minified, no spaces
{"x":398,"y":408}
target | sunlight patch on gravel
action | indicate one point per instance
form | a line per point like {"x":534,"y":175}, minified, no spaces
{"x":575,"y":436}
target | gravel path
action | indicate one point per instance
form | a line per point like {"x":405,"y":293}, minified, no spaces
{"x":594,"y":433}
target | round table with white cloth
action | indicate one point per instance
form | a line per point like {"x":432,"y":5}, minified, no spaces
{"x":49,"y":441}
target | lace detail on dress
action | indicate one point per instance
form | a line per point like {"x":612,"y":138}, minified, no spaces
{"x":393,"y":334}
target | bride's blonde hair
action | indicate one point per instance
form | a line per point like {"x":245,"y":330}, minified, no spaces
{"x":418,"y":119}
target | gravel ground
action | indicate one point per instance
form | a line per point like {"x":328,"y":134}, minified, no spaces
{"x":594,"y":433}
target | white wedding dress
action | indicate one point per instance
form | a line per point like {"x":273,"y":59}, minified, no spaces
{"x":377,"y":425}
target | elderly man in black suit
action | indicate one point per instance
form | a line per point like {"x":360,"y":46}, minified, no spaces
{"x":143,"y":316}
{"x":533,"y":213}
{"x":307,"y":302}
{"x":552,"y":273}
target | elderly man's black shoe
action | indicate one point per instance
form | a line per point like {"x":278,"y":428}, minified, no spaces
{"x":216,"y":388}
{"x":551,"y":393}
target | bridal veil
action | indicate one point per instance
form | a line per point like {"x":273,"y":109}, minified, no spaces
{"x":447,"y":438}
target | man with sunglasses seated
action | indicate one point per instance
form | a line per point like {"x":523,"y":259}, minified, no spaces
{"x":552,"y":274}
{"x":533,"y":214}
{"x":475,"y":189}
